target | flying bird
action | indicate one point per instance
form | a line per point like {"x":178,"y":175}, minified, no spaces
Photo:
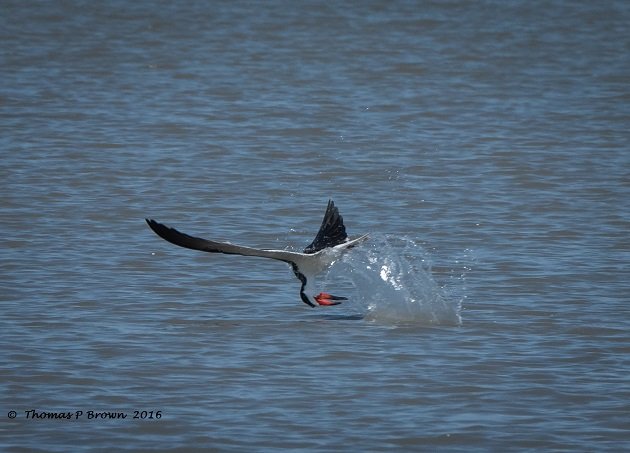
{"x":329,"y":244}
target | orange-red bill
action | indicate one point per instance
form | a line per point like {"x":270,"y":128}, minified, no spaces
{"x":328,"y":299}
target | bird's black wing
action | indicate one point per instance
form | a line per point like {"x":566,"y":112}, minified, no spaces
{"x":184,"y":240}
{"x":331,"y":233}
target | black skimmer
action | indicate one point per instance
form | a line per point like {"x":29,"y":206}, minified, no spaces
{"x":331,"y":241}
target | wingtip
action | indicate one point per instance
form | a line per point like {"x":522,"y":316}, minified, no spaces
{"x":156,"y":226}
{"x":151,"y":222}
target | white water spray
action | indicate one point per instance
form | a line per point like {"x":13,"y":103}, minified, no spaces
{"x":392,"y":283}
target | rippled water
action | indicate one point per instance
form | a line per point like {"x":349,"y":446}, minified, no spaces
{"x":484,"y":147}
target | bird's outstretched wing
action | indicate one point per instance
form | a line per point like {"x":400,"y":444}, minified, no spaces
{"x":332,"y":232}
{"x":184,"y":240}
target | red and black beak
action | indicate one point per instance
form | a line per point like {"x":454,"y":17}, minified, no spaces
{"x":328,"y":299}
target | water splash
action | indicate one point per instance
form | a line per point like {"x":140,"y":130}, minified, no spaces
{"x":392,"y":284}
